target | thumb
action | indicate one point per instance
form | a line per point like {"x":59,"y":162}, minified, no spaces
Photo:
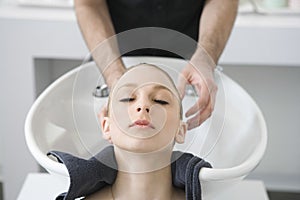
{"x":181,"y":85}
{"x":103,"y":112}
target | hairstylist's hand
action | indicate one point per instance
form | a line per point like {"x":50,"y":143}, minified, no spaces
{"x":199,"y":73}
{"x":102,"y":113}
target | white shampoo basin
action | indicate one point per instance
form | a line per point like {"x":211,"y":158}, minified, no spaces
{"x":64,"y":118}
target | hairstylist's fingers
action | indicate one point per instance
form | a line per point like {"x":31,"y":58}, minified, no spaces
{"x":204,"y":96}
{"x":194,"y":122}
{"x":103,"y":112}
{"x":181,"y":84}
{"x":205,"y":113}
{"x":213,"y":95}
{"x":200,"y":117}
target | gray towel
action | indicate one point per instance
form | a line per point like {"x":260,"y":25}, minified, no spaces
{"x":89,"y":176}
{"x":185,"y":173}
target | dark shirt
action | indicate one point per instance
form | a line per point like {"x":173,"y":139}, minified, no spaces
{"x":178,"y":15}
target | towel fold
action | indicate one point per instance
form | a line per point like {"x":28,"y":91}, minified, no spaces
{"x":185,"y":173}
{"x":89,"y":176}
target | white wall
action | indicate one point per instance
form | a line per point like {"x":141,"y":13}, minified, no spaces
{"x":22,"y":40}
{"x":276,"y":90}
{"x":1,"y":160}
{"x":48,"y":70}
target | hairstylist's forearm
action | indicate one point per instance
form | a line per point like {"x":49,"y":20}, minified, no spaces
{"x":216,"y":23}
{"x":95,"y":23}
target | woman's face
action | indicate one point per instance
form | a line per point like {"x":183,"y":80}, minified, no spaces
{"x":144,"y":110}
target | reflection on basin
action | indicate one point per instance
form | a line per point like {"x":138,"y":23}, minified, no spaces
{"x":64,"y":118}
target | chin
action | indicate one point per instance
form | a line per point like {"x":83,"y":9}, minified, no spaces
{"x":145,"y":142}
{"x":139,"y":146}
{"x":146,"y":146}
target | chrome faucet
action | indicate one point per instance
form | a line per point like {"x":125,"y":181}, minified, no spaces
{"x":101,"y":91}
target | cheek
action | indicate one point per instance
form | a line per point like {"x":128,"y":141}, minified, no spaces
{"x":158,"y":115}
{"x":173,"y":121}
{"x":166,"y":120}
{"x":113,"y":132}
{"x":120,"y":114}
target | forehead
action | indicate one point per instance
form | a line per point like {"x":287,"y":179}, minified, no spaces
{"x":145,"y":75}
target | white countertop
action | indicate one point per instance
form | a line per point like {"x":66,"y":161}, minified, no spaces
{"x":47,"y":187}
{"x":36,"y":13}
{"x":268,"y":20}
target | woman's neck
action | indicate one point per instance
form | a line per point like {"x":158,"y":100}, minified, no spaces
{"x":133,"y":162}
{"x":143,"y":176}
{"x":150,"y":185}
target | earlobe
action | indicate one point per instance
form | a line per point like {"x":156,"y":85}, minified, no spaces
{"x":105,"y":129}
{"x":180,"y":136}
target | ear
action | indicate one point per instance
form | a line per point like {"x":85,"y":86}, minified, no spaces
{"x":105,"y":129}
{"x":180,"y":135}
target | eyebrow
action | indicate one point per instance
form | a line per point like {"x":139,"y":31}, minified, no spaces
{"x":128,"y":85}
{"x":157,"y":87}
{"x":162,"y":87}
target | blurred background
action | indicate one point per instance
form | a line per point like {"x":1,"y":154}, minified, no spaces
{"x":40,"y":41}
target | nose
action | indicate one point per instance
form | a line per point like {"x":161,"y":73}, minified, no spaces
{"x":143,"y":103}
{"x":141,"y":109}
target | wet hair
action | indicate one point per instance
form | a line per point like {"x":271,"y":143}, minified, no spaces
{"x":172,"y":82}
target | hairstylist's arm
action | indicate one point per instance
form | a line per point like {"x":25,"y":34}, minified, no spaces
{"x":96,"y":26}
{"x":216,"y":23}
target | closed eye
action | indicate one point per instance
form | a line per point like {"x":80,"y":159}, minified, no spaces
{"x":162,"y":102}
{"x":126,"y":99}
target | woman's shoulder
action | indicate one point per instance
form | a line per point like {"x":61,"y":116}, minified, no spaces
{"x":104,"y":193}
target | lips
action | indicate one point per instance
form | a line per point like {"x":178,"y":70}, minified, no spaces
{"x":142,"y":124}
